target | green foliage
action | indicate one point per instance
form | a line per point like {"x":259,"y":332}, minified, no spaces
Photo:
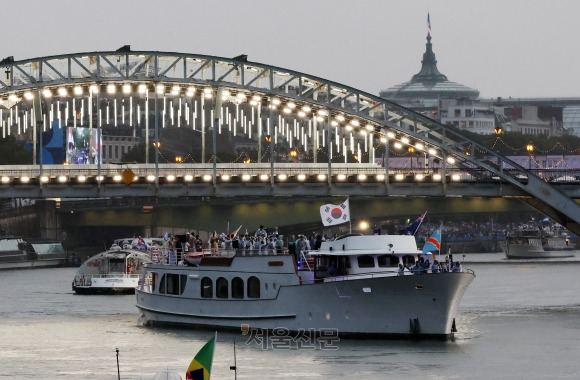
{"x":13,"y":152}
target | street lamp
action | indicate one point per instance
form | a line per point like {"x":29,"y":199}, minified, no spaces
{"x":530,"y":149}
{"x":411,"y":150}
{"x":178,"y":159}
{"x":293,"y":153}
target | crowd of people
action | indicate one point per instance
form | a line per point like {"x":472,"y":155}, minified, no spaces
{"x":270,"y":241}
{"x":264,"y":241}
{"x":423,"y":266}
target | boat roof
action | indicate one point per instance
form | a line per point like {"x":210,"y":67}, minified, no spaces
{"x":121,"y":254}
{"x":358,"y":244}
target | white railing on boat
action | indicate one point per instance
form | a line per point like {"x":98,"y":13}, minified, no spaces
{"x":87,"y":279}
{"x":168,"y":257}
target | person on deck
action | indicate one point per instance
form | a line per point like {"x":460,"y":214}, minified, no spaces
{"x":292,"y":247}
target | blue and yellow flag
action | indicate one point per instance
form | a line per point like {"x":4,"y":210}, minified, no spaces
{"x":433,"y":244}
{"x":200,"y":366}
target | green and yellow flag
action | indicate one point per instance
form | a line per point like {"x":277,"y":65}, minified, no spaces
{"x":200,"y":366}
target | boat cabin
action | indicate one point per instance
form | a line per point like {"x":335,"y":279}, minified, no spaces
{"x":357,"y":254}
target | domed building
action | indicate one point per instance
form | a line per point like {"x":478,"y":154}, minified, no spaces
{"x":432,"y":94}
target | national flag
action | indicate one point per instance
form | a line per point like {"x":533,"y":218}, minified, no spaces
{"x":428,"y":21}
{"x":235,"y":233}
{"x":433,"y":243}
{"x":335,"y":214}
{"x":200,"y":366}
{"x":412,"y":229}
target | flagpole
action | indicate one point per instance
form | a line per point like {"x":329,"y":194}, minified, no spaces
{"x":212,"y":352}
{"x":235,"y":366}
{"x":349,"y":218}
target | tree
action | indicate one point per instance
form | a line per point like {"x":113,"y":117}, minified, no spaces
{"x":13,"y":152}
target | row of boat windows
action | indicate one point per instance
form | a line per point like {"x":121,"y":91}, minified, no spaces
{"x":222,"y":288}
{"x":175,"y":284}
{"x":383,"y":261}
{"x":171,"y":283}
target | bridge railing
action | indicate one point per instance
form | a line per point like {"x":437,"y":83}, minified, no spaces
{"x":301,"y":172}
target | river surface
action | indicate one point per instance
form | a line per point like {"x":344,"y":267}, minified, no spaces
{"x":518,"y":320}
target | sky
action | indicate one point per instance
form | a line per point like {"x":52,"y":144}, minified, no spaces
{"x":503,"y":48}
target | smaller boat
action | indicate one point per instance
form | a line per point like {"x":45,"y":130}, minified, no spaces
{"x":538,"y":241}
{"x":115,"y":271}
{"x":19,"y":253}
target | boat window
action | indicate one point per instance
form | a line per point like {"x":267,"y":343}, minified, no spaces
{"x":206,"y":287}
{"x":237,"y":288}
{"x":162,"y":285}
{"x":253,"y":287}
{"x":409,"y":260}
{"x":172,"y":283}
{"x":221,"y":288}
{"x":366,"y":261}
{"x":183,"y":282}
{"x":117,"y":265}
{"x":155,"y":276}
{"x":387,"y":261}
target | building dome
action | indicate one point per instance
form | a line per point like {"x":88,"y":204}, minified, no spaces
{"x":428,"y":84}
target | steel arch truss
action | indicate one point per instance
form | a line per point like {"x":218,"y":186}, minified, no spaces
{"x":333,"y":104}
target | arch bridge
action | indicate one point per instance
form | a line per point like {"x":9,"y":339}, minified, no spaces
{"x":257,"y":129}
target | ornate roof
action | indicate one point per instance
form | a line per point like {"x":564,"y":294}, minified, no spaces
{"x":429,"y":83}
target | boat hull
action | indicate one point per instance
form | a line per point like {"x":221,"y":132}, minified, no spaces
{"x":121,"y":284}
{"x":528,"y":251}
{"x":89,"y":290}
{"x":411,"y":306}
{"x":27,"y":264}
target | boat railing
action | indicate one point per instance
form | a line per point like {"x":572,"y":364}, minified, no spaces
{"x":87,"y":279}
{"x":169,"y":257}
{"x":385,"y":273}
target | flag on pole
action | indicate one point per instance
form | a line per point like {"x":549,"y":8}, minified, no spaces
{"x":433,"y":243}
{"x":235,"y":233}
{"x":335,"y":214}
{"x":428,"y":21}
{"x":200,"y":366}
{"x":413,"y":227}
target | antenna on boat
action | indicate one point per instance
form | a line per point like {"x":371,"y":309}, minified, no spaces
{"x":234,"y":367}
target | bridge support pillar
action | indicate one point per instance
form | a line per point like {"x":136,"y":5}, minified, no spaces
{"x":49,"y":221}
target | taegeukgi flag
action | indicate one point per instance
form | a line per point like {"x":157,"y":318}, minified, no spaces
{"x":335,"y":214}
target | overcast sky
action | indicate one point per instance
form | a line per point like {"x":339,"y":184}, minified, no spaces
{"x":517,"y":48}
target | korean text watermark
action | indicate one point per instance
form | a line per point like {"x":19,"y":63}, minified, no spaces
{"x":281,"y":338}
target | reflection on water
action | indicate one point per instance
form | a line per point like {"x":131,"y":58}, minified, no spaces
{"x":517,"y":320}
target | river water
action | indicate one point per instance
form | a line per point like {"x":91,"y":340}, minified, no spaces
{"x":518,"y":320}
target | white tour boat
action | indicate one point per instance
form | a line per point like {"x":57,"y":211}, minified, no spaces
{"x":538,"y":242}
{"x":353,"y":285}
{"x":115,"y":271}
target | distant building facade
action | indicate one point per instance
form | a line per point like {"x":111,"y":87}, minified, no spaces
{"x":430,"y":92}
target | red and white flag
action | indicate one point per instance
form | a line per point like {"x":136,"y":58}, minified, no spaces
{"x":335,"y":214}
